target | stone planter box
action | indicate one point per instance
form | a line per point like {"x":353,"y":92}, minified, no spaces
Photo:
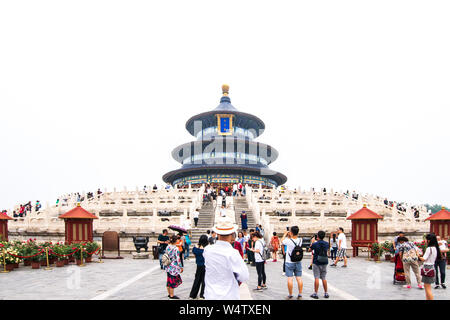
{"x":27,"y":263}
{"x":35,"y":265}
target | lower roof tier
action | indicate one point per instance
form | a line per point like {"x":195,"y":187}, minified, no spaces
{"x":265,"y":175}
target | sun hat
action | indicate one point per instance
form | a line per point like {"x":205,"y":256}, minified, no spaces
{"x":224,"y":226}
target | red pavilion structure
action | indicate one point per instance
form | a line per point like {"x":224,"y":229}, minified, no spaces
{"x":440,"y":223}
{"x":364,"y":228}
{"x":4,"y":226}
{"x":79,"y":226}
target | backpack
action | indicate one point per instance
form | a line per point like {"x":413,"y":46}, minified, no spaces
{"x":165,"y":259}
{"x":410,"y":255}
{"x":297,"y":252}
{"x":322,"y":255}
{"x":266,"y":253}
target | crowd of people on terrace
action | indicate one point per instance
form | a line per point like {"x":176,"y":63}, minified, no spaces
{"x":223,"y":255}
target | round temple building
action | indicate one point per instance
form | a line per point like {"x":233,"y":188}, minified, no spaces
{"x":225,"y":151}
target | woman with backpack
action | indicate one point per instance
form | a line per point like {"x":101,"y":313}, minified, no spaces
{"x":199,"y":280}
{"x":409,"y":255}
{"x":172,"y":262}
{"x":258,"y":250}
{"x":432,"y":254}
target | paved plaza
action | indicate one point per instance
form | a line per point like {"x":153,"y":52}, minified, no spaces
{"x":143,"y":280}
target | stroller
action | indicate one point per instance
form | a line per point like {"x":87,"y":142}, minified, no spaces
{"x":399,"y":272}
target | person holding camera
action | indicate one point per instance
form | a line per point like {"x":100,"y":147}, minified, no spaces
{"x":163,"y":241}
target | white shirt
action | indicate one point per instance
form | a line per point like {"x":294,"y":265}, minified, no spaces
{"x":343,"y":239}
{"x":223,"y":212}
{"x":443,"y":245}
{"x":430,"y":256}
{"x":195,"y":214}
{"x":289,"y":243}
{"x":259,"y":245}
{"x":235,"y":187}
{"x":223,"y":266}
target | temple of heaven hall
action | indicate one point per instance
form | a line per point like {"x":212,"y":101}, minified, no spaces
{"x":225,"y":151}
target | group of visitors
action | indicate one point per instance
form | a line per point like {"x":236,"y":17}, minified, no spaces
{"x":425,"y":265}
{"x":24,"y":209}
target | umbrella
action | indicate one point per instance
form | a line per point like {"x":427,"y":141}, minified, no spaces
{"x":177,"y":228}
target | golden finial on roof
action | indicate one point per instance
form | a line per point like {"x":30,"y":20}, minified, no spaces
{"x":225,"y":89}
{"x":78,"y":204}
{"x":443,"y":208}
{"x":364,"y":205}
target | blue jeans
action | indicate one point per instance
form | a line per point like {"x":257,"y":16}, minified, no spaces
{"x":186,"y":251}
{"x":293,"y":269}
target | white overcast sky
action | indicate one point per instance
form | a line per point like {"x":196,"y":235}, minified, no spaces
{"x":354,"y":94}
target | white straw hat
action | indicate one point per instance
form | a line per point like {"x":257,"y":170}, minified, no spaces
{"x":224,"y":226}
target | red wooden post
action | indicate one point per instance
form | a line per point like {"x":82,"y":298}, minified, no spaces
{"x":4,"y":226}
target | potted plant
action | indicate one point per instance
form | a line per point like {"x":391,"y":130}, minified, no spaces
{"x":59,"y":251}
{"x":388,"y":248}
{"x":91,"y":248}
{"x":376,"y":251}
{"x":38,"y":257}
{"x":10,"y":260}
{"x":80,"y":252}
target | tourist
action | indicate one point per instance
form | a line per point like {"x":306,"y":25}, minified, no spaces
{"x":213,"y":237}
{"x":195,"y":215}
{"x":223,"y":211}
{"x":208,"y":234}
{"x":283,"y":251}
{"x":235,"y":190}
{"x":187,"y":243}
{"x":342,"y":248}
{"x":199,"y":280}
{"x":333,"y":247}
{"x":175,"y":268}
{"x":237,"y":246}
{"x":320,"y":261}
{"x":225,"y":268}
{"x":163,"y":241}
{"x":432,"y":253}
{"x":313,"y":239}
{"x":409,"y":255}
{"x":241,"y":239}
{"x":395,"y":242}
{"x":155,"y":187}
{"x":244,"y":220}
{"x":441,"y":264}
{"x":293,"y":261}
{"x":275,"y":245}
{"x":258,"y":251}
{"x":180,"y":246}
{"x":250,"y":254}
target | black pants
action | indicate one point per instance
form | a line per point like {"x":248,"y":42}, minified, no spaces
{"x":284,"y":262}
{"x":198,"y":281}
{"x":441,"y":264}
{"x":195,"y":221}
{"x":261,"y":273}
{"x":181,"y":258}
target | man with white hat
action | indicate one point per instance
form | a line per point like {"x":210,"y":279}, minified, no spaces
{"x":224,"y":265}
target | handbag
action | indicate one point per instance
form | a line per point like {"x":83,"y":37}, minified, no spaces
{"x":427,"y":271}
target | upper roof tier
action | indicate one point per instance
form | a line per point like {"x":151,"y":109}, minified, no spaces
{"x":241,"y":119}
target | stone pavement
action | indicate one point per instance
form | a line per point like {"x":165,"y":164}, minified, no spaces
{"x":143,"y":280}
